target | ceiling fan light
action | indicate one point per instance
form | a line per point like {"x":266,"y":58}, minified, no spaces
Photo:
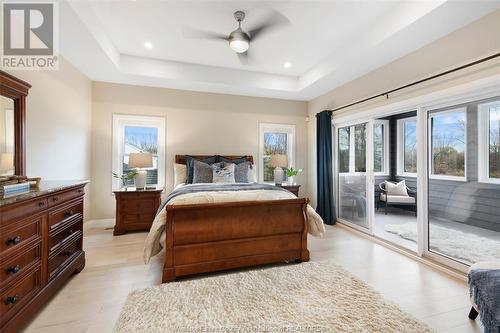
{"x":239,"y":45}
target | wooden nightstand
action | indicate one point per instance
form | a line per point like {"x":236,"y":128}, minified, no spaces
{"x":292,"y":188}
{"x":135,"y":209}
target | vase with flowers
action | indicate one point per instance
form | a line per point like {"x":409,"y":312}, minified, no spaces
{"x":292,"y":173}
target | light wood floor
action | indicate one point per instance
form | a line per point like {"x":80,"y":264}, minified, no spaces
{"x":92,"y":300}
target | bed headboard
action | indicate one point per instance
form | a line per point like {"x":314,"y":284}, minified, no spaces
{"x":181,"y":159}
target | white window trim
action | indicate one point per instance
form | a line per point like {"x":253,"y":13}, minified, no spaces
{"x":119,"y":123}
{"x":276,"y":128}
{"x":386,"y":165}
{"x":429,"y":148}
{"x":483,"y":133}
{"x":400,"y":154}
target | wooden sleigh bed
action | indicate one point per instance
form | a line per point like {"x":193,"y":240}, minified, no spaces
{"x":211,"y":237}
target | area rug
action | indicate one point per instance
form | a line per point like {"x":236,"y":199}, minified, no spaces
{"x":465,"y":247}
{"x":307,"y":297}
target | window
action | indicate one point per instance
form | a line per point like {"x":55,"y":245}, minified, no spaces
{"x":447,"y":144}
{"x":489,"y":142}
{"x":360,"y":148}
{"x":137,"y":134}
{"x":407,"y":147}
{"x":381,"y":147}
{"x":344,"y":148}
{"x":275,"y":139}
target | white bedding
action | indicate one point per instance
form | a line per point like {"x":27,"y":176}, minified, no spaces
{"x":153,"y":247}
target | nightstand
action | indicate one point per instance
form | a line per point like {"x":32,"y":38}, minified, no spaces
{"x":292,"y":188}
{"x":136,"y":209}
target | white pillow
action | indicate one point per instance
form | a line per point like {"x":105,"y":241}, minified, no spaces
{"x":223,"y":174}
{"x":179,"y":174}
{"x":252,"y":174}
{"x":396,"y":189}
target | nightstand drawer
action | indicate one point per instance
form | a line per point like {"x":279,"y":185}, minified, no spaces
{"x":139,"y":206}
{"x":138,"y":218}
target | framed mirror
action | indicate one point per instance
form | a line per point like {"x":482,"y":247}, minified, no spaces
{"x":13,"y":92}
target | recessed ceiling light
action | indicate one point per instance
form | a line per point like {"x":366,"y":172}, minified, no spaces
{"x":287,"y":64}
{"x":148,"y":45}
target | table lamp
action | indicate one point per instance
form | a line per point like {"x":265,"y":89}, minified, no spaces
{"x":6,"y":163}
{"x":279,"y":161}
{"x":140,"y":161}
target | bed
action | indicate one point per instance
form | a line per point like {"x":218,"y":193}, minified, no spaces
{"x":214,"y":236}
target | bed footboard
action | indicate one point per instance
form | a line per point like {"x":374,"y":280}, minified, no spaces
{"x":212,"y":237}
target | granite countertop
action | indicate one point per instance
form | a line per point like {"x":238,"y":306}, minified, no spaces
{"x":45,"y":187}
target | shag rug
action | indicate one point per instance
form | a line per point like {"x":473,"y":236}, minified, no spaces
{"x":307,"y":297}
{"x":463,"y":246}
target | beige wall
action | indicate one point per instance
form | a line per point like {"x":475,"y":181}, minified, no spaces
{"x":477,"y":40}
{"x":58,"y":119}
{"x":197,"y":123}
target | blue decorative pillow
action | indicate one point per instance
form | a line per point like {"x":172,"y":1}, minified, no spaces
{"x":241,"y":172}
{"x":223,"y":173}
{"x":189,"y":166}
{"x":202,"y":172}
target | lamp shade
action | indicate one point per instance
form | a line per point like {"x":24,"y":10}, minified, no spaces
{"x":279,"y":160}
{"x":140,"y":160}
{"x":6,"y":162}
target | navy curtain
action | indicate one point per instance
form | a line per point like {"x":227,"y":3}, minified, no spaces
{"x":324,"y":144}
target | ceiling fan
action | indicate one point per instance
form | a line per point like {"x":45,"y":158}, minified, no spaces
{"x":239,"y":40}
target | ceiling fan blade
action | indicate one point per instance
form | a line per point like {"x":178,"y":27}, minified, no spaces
{"x":243,"y":58}
{"x":193,"y":33}
{"x":275,"y":21}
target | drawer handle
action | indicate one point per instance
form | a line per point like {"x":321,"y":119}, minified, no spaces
{"x":13,"y":241}
{"x":12,"y":299}
{"x":66,"y":253}
{"x":80,"y":191}
{"x":13,"y":270}
{"x":68,"y":214}
{"x":68,"y":233}
{"x":41,"y":204}
{"x":55,"y":199}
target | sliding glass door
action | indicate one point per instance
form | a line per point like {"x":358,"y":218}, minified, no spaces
{"x":464,"y":182}
{"x":352,"y":174}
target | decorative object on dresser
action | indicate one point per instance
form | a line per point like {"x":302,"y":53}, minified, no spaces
{"x":41,"y":240}
{"x":140,"y":161}
{"x":135,"y":209}
{"x":279,"y":161}
{"x":292,"y":188}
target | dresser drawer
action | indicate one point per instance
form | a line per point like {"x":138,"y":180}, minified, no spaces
{"x":63,"y":234}
{"x":63,"y":256}
{"x":18,"y":294}
{"x":14,"y":236}
{"x":16,"y":212}
{"x":17,"y":265}
{"x":61,"y":197}
{"x":71,"y":211}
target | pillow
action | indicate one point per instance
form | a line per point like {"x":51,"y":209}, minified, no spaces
{"x":236,"y":161}
{"x":252,"y":174}
{"x":396,"y":189}
{"x":241,"y":172}
{"x":223,"y":173}
{"x":179,"y":174}
{"x":189,"y":166}
{"x":202,"y":172}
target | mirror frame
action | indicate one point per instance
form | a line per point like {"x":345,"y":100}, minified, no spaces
{"x":16,"y":89}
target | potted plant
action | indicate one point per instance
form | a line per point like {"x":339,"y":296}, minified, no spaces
{"x":291,"y":173}
{"x":125,"y":177}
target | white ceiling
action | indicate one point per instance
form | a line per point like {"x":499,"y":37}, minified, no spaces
{"x":328,"y":42}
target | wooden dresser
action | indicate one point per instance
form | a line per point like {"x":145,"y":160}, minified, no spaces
{"x":136,"y":209}
{"x":40,"y":248}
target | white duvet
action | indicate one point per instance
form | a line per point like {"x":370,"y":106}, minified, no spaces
{"x":153,"y":247}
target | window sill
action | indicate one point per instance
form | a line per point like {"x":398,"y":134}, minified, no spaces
{"x":489,"y":181}
{"x":407,"y":175}
{"x":451,"y":178}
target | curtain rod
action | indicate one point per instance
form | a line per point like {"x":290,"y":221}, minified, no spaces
{"x":386,"y":94}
